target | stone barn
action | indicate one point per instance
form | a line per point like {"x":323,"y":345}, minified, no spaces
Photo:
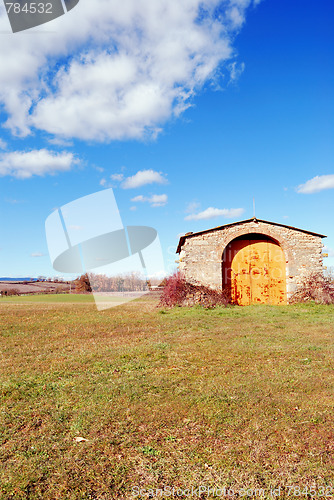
{"x":254,"y":260}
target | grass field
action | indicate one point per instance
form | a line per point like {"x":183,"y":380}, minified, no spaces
{"x":230,"y":397}
{"x":48,"y":299}
{"x":104,"y":300}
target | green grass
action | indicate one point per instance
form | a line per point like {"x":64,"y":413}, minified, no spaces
{"x":231,"y":397}
{"x":57,"y":298}
{"x":64,"y":299}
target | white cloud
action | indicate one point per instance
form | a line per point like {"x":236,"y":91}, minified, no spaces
{"x":192,"y":207}
{"x":3,"y":144}
{"x":156,"y":200}
{"x":318,"y":183}
{"x":236,"y":16}
{"x":37,"y":254}
{"x":25,"y":164}
{"x":235,"y":70}
{"x":143,"y":177}
{"x":117,"y":177}
{"x":138,"y":198}
{"x":105,"y":71}
{"x":211,"y":212}
{"x":328,"y":250}
{"x":58,"y":141}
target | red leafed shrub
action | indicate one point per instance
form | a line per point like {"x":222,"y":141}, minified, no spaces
{"x":174,"y":291}
{"x":315,"y":287}
{"x":178,"y":292}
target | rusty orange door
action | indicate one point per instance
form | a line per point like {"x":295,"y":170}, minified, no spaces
{"x":254,"y":271}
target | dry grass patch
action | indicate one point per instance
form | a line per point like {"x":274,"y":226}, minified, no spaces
{"x":234,"y":397}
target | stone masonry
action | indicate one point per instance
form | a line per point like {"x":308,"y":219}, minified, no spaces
{"x":201,"y":253}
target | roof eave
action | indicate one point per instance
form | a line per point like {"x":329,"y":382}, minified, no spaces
{"x":184,"y":237}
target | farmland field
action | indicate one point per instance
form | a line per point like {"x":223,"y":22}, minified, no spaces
{"x":106,"y":405}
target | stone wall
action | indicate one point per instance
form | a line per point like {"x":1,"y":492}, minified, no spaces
{"x":201,"y":254}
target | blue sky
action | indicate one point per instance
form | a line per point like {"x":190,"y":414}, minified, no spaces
{"x":188,"y":110}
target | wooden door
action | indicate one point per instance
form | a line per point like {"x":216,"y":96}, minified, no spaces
{"x":277,"y":291}
{"x":254,"y":271}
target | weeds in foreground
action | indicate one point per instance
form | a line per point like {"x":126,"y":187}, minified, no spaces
{"x":316,"y":287}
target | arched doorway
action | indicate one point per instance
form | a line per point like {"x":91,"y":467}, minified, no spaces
{"x":254,"y":272}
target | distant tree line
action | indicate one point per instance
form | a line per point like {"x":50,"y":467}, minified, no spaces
{"x":103,"y":283}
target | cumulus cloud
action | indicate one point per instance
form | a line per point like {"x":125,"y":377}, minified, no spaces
{"x":156,"y":200}
{"x":3,"y":144}
{"x":37,"y":254}
{"x":108,"y":71}
{"x":211,"y":212}
{"x":144,"y":177}
{"x":25,"y":164}
{"x":318,"y":183}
